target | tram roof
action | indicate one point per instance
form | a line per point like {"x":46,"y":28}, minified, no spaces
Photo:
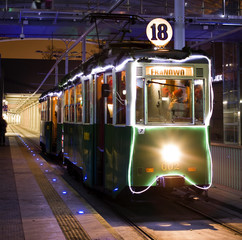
{"x":117,"y":53}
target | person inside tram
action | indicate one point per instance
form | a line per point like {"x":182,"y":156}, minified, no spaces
{"x":177,"y":105}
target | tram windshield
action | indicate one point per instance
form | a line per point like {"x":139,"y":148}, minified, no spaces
{"x":169,"y":101}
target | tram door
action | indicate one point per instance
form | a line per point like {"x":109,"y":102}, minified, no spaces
{"x":99,"y":134}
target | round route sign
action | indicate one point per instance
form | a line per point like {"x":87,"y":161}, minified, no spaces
{"x":159,"y":32}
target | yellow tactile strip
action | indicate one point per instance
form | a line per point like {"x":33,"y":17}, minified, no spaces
{"x":68,"y":223}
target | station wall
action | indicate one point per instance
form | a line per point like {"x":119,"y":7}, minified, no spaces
{"x":30,"y":118}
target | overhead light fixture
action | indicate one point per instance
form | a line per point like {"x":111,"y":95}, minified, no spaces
{"x":205,"y":27}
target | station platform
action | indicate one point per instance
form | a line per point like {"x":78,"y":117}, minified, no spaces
{"x":36,"y":204}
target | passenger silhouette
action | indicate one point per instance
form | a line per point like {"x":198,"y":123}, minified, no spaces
{"x":3,"y":127}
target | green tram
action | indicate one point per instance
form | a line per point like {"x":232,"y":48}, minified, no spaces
{"x":133,"y":120}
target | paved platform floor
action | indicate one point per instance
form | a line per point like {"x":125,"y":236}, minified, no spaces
{"x":32,"y":208}
{"x":35,"y":204}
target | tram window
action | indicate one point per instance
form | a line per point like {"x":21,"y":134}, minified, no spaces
{"x":71,"y":106}
{"x":110,"y":100}
{"x":66,"y":96}
{"x":87,"y":101}
{"x":169,"y":101}
{"x":54,"y":110}
{"x":48,"y":110}
{"x":198,"y":94}
{"x":120,"y":98}
{"x":59,"y":112}
{"x":79,"y":103}
{"x":43,"y":110}
{"x":140,"y":101}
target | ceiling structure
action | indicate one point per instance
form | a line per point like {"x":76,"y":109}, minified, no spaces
{"x":110,"y":21}
{"x":204,"y":19}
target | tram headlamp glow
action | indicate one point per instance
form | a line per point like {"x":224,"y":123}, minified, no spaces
{"x":171,"y":153}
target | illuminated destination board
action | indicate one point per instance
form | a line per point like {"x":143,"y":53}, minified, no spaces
{"x":170,"y":71}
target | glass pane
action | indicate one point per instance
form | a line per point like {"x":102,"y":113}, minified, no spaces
{"x":72,"y":95}
{"x":54,"y":110}
{"x":169,"y":101}
{"x":66,"y":97}
{"x":66,"y":105}
{"x":79,"y":103}
{"x":71,"y":108}
{"x":231,"y":98}
{"x":87,"y":102}
{"x":59,"y":113}
{"x":72,"y":112}
{"x":66,"y":113}
{"x":43,"y":110}
{"x":110,"y":100}
{"x":198,"y":93}
{"x":48,"y":114}
{"x":120,"y":97}
{"x":140,"y":101}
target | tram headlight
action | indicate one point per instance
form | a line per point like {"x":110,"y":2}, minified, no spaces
{"x":171,"y":153}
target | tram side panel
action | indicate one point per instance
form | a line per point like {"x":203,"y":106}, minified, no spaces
{"x":117,"y":154}
{"x":78,"y":150}
{"x":87,"y":150}
{"x":59,"y":140}
{"x":46,"y":136}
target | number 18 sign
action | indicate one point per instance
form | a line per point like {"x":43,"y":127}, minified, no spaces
{"x":159,"y":32}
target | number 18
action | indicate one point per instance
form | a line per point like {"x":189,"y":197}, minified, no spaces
{"x":162,"y":32}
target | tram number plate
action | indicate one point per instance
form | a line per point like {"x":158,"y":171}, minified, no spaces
{"x":169,"y":166}
{"x":141,"y":130}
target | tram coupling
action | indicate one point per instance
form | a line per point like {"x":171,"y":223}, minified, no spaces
{"x":170,"y":181}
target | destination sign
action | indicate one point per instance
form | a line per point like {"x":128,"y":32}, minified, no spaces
{"x":170,"y":71}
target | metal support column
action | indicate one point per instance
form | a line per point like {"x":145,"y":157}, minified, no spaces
{"x":1,"y":88}
{"x":179,"y":31}
{"x":66,"y":64}
{"x":56,"y":75}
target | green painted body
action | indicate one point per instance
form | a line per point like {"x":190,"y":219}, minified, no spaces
{"x":81,"y":150}
{"x":78,"y":148}
{"x":46,"y":138}
{"x":145,"y":153}
{"x":193,"y":144}
{"x":46,"y":135}
{"x":117,"y":154}
{"x":59,"y":139}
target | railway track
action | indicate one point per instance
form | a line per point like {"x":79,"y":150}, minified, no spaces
{"x":215,"y":220}
{"x":187,"y":203}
